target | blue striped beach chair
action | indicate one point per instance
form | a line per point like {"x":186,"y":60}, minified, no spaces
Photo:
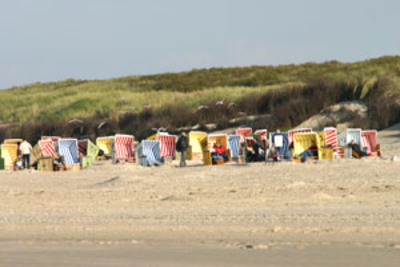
{"x":275,"y":138}
{"x":69,"y":149}
{"x":149,"y":153}
{"x":234,"y":145}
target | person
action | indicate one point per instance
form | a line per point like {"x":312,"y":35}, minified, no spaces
{"x":18,"y":164}
{"x":378,"y":150}
{"x":113,"y":158}
{"x":356,"y":150}
{"x":289,"y":155}
{"x":25,"y":149}
{"x":272,"y":153}
{"x":59,"y":163}
{"x":258,"y":150}
{"x":279,"y":146}
{"x":219,"y":152}
{"x":312,"y":151}
{"x":181,"y":146}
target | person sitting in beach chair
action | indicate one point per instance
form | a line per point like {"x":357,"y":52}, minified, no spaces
{"x":272,"y":153}
{"x":17,"y":166}
{"x":356,"y":150}
{"x":59,"y":164}
{"x":312,"y":151}
{"x":257,"y":151}
{"x":290,"y":154}
{"x":219,"y":152}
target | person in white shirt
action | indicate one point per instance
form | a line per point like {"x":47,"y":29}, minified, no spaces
{"x":25,"y":149}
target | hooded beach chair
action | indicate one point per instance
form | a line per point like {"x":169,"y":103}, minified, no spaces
{"x":369,"y":140}
{"x":68,"y":148}
{"x":54,"y":139}
{"x":13,"y":141}
{"x":124,"y":147}
{"x":244,"y":132}
{"x":167,"y":145}
{"x":9,"y":152}
{"x":105,"y":144}
{"x":345,"y":137}
{"x":48,"y":149}
{"x":234,"y":145}
{"x":89,"y":152}
{"x":303,"y":141}
{"x":211,"y":140}
{"x":148,"y":152}
{"x":279,"y":140}
{"x":292,"y":132}
{"x":328,"y":138}
{"x":197,"y":144}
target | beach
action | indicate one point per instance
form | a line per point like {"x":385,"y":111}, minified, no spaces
{"x":263,"y":214}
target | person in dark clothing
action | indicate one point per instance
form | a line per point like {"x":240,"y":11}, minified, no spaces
{"x":290,"y":154}
{"x":312,"y":151}
{"x":258,"y":153}
{"x":356,"y":150}
{"x":181,"y":146}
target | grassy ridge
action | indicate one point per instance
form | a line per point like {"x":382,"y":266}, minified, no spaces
{"x":113,"y":97}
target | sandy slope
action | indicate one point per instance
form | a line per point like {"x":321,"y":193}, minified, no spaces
{"x":258,"y":206}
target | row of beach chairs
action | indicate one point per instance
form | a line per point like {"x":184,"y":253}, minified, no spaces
{"x":160,"y":147}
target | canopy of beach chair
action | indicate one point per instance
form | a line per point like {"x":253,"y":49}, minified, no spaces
{"x":151,"y":149}
{"x":292,"y":132}
{"x":303,"y":141}
{"x":69,"y":149}
{"x":167,"y":144}
{"x":279,"y":140}
{"x":123,"y":147}
{"x":48,"y":149}
{"x":105,"y":144}
{"x":13,"y":141}
{"x":345,"y":137}
{"x":9,"y":152}
{"x":243,"y":133}
{"x":234,"y":145}
{"x":198,"y":141}
{"x":369,"y":139}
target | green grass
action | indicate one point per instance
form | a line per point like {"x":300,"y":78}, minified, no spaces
{"x":102,"y":97}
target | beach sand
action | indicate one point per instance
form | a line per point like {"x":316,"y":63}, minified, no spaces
{"x":326,"y":213}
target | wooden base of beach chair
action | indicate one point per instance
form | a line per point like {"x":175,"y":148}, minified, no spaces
{"x":73,"y":167}
{"x":197,"y":156}
{"x":46,"y":164}
{"x":218,"y":162}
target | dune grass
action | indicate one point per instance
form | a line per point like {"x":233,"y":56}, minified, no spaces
{"x":110,"y":98}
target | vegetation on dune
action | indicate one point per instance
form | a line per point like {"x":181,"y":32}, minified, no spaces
{"x":290,"y":94}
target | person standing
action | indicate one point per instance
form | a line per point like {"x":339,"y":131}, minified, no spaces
{"x":25,"y":149}
{"x":114,"y":156}
{"x":181,"y":146}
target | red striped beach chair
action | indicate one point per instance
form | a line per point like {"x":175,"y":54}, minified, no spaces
{"x":244,"y":132}
{"x":167,"y":145}
{"x":48,"y":149}
{"x":123,"y":147}
{"x":369,"y":139}
{"x":264,"y":136}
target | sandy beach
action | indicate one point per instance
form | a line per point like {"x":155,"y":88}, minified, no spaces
{"x":266,"y":214}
